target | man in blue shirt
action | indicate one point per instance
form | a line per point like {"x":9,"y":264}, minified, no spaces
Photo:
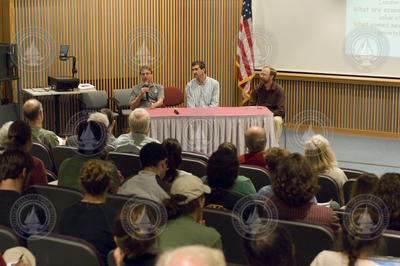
{"x":202,"y":91}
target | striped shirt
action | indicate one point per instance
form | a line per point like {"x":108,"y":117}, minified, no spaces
{"x":204,"y":94}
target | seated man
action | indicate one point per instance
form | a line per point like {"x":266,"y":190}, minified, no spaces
{"x":202,"y":91}
{"x":148,"y":182}
{"x":256,"y":140}
{"x":271,"y":95}
{"x":111,"y":139}
{"x":15,"y":168}
{"x":139,"y":123}
{"x":147,"y":93}
{"x":195,"y":255}
{"x":33,"y":111}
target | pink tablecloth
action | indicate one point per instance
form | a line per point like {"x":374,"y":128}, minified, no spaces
{"x":204,"y":129}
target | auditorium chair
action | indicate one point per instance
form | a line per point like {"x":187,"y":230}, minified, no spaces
{"x":121,"y":100}
{"x":258,"y":175}
{"x":172,"y":97}
{"x":352,"y":173}
{"x":194,"y":166}
{"x":329,"y":190}
{"x":61,"y":250}
{"x":391,"y":243}
{"x":44,"y":153}
{"x":195,"y":155}
{"x":347,"y":187}
{"x":60,"y":153}
{"x":8,"y":239}
{"x":127,"y":163}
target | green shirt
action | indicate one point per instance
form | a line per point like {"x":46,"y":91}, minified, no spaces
{"x":185,"y":231}
{"x":242,"y":186}
{"x":47,"y":137}
{"x":70,"y":171}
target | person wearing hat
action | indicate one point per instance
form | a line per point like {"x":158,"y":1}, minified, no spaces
{"x":185,"y":224}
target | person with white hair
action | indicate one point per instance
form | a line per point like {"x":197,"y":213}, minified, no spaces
{"x":4,"y":140}
{"x":195,"y":255}
{"x":319,"y":152}
{"x":139,"y":124}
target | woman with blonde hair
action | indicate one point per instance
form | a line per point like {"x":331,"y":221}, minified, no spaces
{"x":319,"y":153}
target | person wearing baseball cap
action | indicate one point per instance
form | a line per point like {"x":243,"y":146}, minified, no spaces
{"x":185,"y":216}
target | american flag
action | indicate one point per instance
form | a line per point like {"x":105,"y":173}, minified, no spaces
{"x":245,"y":53}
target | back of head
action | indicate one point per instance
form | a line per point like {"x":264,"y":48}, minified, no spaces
{"x":99,"y":117}
{"x":109,"y":114}
{"x":32,"y":109}
{"x":229,"y":146}
{"x":151,"y":154}
{"x":92,"y":137}
{"x":4,"y":140}
{"x":256,"y":139}
{"x":174,"y":151}
{"x":388,"y":191}
{"x":275,"y":248}
{"x":192,"y":256}
{"x":365,"y":184}
{"x":19,"y":134}
{"x":222,"y":169}
{"x":139,"y":121}
{"x":12,"y":162}
{"x":139,"y":240}
{"x":95,"y":177}
{"x":319,"y":153}
{"x":295,"y":182}
{"x":273,"y":156}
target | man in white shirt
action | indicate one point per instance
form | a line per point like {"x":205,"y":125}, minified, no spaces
{"x":202,"y":91}
{"x":148,"y":182}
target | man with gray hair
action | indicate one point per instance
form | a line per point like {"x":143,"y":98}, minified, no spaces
{"x":139,"y":123}
{"x":256,"y":140}
{"x":4,"y":140}
{"x":33,"y":111}
{"x":195,"y":255}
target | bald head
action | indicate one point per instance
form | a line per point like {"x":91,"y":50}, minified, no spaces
{"x":192,"y":256}
{"x":139,"y":121}
{"x":256,"y":139}
{"x":32,"y":109}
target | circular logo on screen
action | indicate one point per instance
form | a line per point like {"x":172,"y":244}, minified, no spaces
{"x":366,"y":217}
{"x":36,"y":49}
{"x":144,"y":46}
{"x":198,"y":135}
{"x":32,"y":214}
{"x":366,"y":47}
{"x":89,"y":137}
{"x":143,"y":219}
{"x":254,"y":217}
{"x":307,"y":124}
{"x":263,"y":48}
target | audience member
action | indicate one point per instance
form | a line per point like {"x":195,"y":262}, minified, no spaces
{"x":185,"y":216}
{"x":365,"y":184}
{"x":111,"y":125}
{"x":102,"y":118}
{"x":135,"y":248}
{"x":15,"y":168}
{"x":355,"y":250}
{"x":33,"y":111}
{"x":91,"y":143}
{"x":275,"y":248}
{"x":222,"y":171}
{"x":19,"y":256}
{"x":90,"y":219}
{"x":389,"y":191}
{"x":294,"y":185}
{"x":148,"y":182}
{"x":256,"y":140}
{"x":271,"y":95}
{"x":243,"y":185}
{"x":146,"y":94}
{"x":139,"y":124}
{"x":202,"y":91}
{"x":174,"y":152}
{"x":4,"y":140}
{"x":19,"y":135}
{"x":192,"y":256}
{"x":318,"y":151}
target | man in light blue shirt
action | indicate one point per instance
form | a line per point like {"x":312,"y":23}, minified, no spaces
{"x":133,"y":142}
{"x":202,"y":91}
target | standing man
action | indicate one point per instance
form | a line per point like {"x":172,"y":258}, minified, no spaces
{"x":146,"y":94}
{"x":271,"y":95}
{"x":202,"y":91}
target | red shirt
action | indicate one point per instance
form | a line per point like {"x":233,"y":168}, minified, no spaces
{"x":38,"y":175}
{"x":253,"y":158}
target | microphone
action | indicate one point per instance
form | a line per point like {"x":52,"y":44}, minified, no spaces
{"x":176,"y":111}
{"x":147,"y":93}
